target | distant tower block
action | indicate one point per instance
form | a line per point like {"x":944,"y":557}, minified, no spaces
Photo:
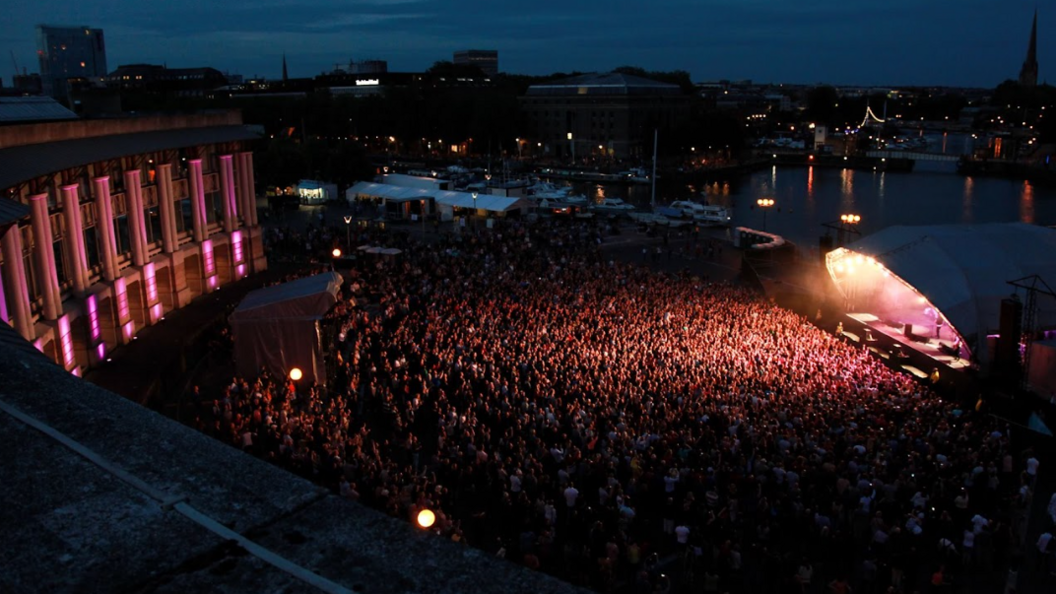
{"x":1028,"y":75}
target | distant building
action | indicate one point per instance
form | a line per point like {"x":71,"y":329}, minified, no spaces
{"x":160,"y":80}
{"x":602,"y":114}
{"x":1028,"y":74}
{"x":69,"y":52}
{"x":109,"y":224}
{"x":486,"y":60}
{"x":27,"y":84}
{"x":368,"y":67}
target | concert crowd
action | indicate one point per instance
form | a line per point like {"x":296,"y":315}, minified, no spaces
{"x":631,"y":431}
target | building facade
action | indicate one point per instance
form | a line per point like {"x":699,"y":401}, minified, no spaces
{"x":69,"y":52}
{"x":486,"y":60}
{"x":609,"y":115}
{"x":107,"y":225}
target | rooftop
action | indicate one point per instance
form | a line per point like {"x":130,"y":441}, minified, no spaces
{"x":32,"y":109}
{"x":102,"y":494}
{"x":610,"y":83}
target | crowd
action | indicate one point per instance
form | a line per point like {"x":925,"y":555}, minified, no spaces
{"x":613,"y":426}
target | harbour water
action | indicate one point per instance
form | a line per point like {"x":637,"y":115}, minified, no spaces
{"x":808,"y":197}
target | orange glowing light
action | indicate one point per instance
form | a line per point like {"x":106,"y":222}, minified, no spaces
{"x":426,"y":518}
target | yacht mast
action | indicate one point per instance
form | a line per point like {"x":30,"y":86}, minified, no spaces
{"x":652,"y":199}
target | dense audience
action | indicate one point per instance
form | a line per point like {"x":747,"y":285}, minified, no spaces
{"x":613,"y":426}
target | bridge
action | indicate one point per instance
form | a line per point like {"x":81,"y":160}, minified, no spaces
{"x":914,"y":156}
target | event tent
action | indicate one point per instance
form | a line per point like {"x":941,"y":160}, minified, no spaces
{"x":445,"y":200}
{"x":277,"y":327}
{"x":962,"y":271}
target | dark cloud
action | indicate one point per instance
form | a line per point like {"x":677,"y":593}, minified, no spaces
{"x":955,"y":42}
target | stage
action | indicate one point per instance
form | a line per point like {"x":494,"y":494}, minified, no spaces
{"x":888,"y":340}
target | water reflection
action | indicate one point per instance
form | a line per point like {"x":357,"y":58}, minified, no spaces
{"x":810,"y":184}
{"x":966,"y":202}
{"x":1026,"y":203}
{"x":847,"y":187}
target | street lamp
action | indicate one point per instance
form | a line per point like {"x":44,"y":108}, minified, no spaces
{"x":474,"y":194}
{"x":348,"y":231}
{"x":765,"y":204}
{"x":850,"y":224}
{"x":572,"y":144}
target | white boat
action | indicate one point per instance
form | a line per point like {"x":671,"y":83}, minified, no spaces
{"x":707,"y":214}
{"x":612,"y":205}
{"x":575,"y":199}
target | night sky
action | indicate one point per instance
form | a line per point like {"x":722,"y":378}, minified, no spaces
{"x":889,"y":42}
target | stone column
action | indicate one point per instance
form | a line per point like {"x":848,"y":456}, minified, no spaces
{"x":104,"y":227}
{"x":197,"y":185}
{"x":165,"y":208}
{"x":15,"y":287}
{"x":251,"y":192}
{"x":44,"y":255}
{"x":137,"y":224}
{"x":227,"y":189}
{"x":75,"y":250}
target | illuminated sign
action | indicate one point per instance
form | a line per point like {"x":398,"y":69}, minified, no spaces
{"x":369,"y":82}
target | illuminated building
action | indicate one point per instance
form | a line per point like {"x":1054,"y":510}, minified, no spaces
{"x":110,"y":224}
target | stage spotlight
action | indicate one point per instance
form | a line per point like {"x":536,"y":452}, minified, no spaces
{"x":426,"y":518}
{"x":839,"y":268}
{"x":296,"y":374}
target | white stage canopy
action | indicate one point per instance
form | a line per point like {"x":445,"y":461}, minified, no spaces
{"x":960,"y":270}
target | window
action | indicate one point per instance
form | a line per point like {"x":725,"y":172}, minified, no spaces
{"x":214,"y":207}
{"x":153,"y":223}
{"x":123,"y":235}
{"x":60,"y":262}
{"x":91,"y":247}
{"x":184,"y":216}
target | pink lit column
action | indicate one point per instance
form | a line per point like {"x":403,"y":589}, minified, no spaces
{"x":197,"y":199}
{"x":15,"y":288}
{"x":104,"y":226}
{"x":251,"y":192}
{"x":136,"y":222}
{"x":227,"y":188}
{"x":44,"y":254}
{"x":166,"y":209}
{"x":75,"y":250}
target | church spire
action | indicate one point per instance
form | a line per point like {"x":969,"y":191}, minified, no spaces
{"x":1028,"y":75}
{"x":285,"y":73}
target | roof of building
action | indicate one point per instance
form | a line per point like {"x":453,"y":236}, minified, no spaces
{"x":393,"y":193}
{"x":32,"y":109}
{"x":12,"y":211}
{"x":102,"y":494}
{"x":21,"y":163}
{"x":610,"y":83}
{"x":963,"y":270}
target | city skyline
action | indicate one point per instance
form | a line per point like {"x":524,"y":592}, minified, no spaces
{"x":971,"y":44}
